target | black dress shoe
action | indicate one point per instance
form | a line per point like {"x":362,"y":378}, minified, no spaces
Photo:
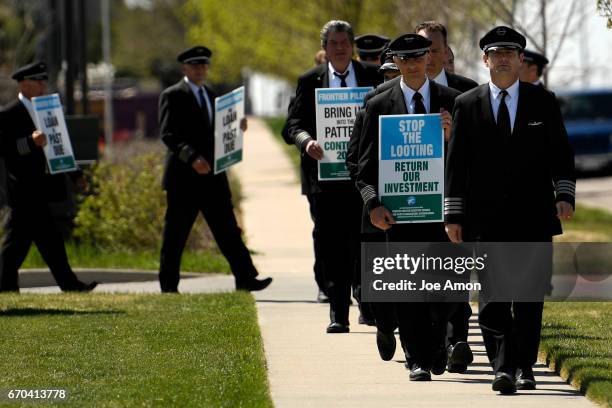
{"x":366,"y":320}
{"x":439,"y":362}
{"x":322,"y":297}
{"x":169,"y":291}
{"x":386,"y":344}
{"x":82,"y":287}
{"x":337,"y":328}
{"x":459,"y":357}
{"x":418,"y":373}
{"x":504,"y":383}
{"x":525,"y":379}
{"x":254,"y":284}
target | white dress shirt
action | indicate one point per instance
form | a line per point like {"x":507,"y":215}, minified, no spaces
{"x":511,"y":100}
{"x":195,"y":89}
{"x":441,"y":78}
{"x":409,"y":93}
{"x":334,"y":81}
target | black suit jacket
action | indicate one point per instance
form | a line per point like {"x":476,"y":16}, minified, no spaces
{"x":188,"y":133}
{"x":301,"y":122}
{"x":505,"y":190}
{"x":458,"y":82}
{"x":390,"y":102}
{"x":28,"y":180}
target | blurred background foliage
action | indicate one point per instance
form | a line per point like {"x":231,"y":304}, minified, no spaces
{"x":277,"y":37}
{"x":126,"y":208}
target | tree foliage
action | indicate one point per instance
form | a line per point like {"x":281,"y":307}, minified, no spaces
{"x":148,"y":36}
{"x":279,"y":37}
{"x":605,"y":9}
{"x":19,"y":34}
{"x":282,"y":36}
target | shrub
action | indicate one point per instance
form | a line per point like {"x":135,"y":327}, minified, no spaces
{"x":126,"y":208}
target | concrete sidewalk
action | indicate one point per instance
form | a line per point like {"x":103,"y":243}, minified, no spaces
{"x":306,"y":366}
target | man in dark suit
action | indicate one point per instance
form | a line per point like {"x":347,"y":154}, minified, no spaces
{"x":370,"y":47}
{"x":383,"y":315}
{"x":317,"y":267}
{"x":449,"y":64}
{"x":459,"y":352}
{"x":422,"y":326}
{"x":493,"y":197}
{"x":186,"y":112}
{"x":335,"y":205}
{"x":31,"y":188}
{"x":532,"y":68}
{"x":438,"y":35}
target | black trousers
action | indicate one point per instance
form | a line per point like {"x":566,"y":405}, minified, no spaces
{"x":422,"y":330}
{"x":383,"y":312}
{"x":366,"y":309}
{"x":317,"y":267}
{"x":335,"y":214}
{"x":511,"y":333}
{"x":27,"y":224}
{"x":422,"y":325}
{"x":511,"y":330}
{"x":459,"y":323}
{"x":213,"y":200}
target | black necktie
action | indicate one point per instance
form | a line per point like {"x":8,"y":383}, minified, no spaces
{"x":503,"y":117}
{"x":418,"y":103}
{"x":203,"y":105}
{"x":342,"y":78}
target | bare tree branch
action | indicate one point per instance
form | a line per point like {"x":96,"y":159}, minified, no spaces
{"x":568,"y":20}
{"x":507,"y":16}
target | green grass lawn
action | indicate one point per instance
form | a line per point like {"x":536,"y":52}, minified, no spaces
{"x":577,"y":337}
{"x":84,"y":256}
{"x":135,"y":350}
{"x":276,"y":125}
{"x":577,"y":340}
{"x":588,"y":225}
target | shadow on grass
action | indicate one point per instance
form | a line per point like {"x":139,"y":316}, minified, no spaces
{"x":581,"y":371}
{"x":582,"y":365}
{"x":50,"y":312}
{"x":285,"y":301}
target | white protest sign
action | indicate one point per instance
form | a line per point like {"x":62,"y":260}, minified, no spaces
{"x":50,"y":120}
{"x":229,"y":112}
{"x":336,"y":109}
{"x":411,"y":167}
